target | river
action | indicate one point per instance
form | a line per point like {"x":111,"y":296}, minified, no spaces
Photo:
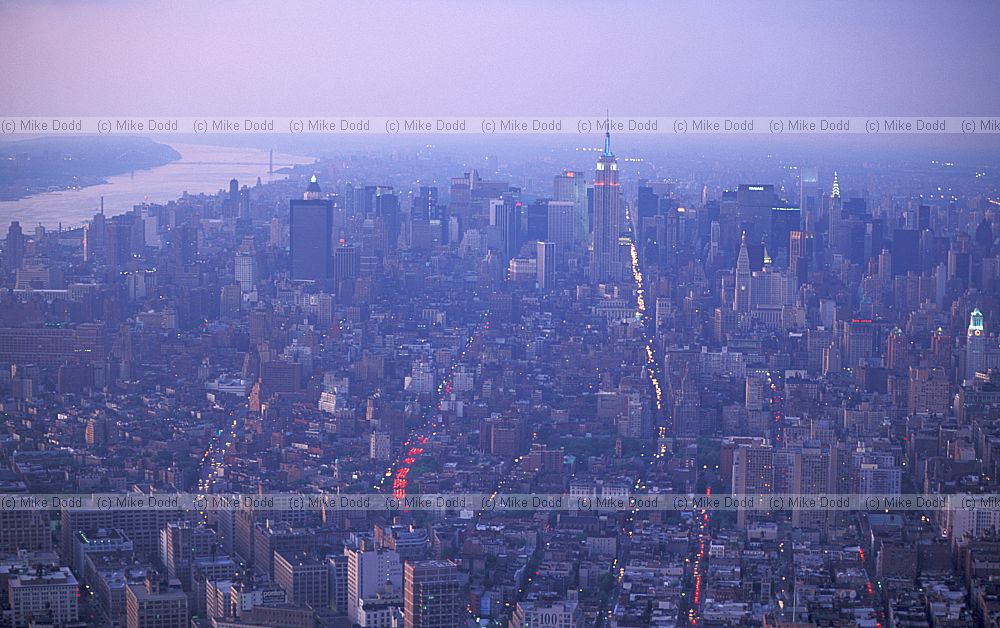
{"x":200,"y":169}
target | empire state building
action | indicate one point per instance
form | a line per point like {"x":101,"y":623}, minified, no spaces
{"x":609,"y":219}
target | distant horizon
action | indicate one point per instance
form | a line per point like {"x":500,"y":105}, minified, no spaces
{"x":907,"y":147}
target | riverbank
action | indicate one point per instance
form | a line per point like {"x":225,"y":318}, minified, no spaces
{"x":200,"y":169}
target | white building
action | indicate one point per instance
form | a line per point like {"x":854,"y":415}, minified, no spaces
{"x":52,"y":594}
{"x":421,"y":380}
{"x":963,"y":525}
{"x":368,"y":571}
{"x":246,"y":267}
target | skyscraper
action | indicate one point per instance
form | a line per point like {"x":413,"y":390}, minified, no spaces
{"x":93,"y":238}
{"x":571,"y":186}
{"x":753,"y":473}
{"x":425,"y":220}
{"x":905,"y":251}
{"x":753,"y":209}
{"x":425,"y":205}
{"x":347,"y":262}
{"x":741,"y":300}
{"x":809,"y":193}
{"x":311,"y":235}
{"x":837,"y":236}
{"x":245,"y":268}
{"x":15,"y":246}
{"x":800,"y":253}
{"x":244,"y":203}
{"x":546,"y":264}
{"x":784,"y":220}
{"x":386,"y":209}
{"x":536,"y":220}
{"x":609,"y":218}
{"x":857,"y":342}
{"x":975,"y":345}
{"x":505,"y":220}
{"x":368,"y":570}
{"x":561,"y":219}
{"x":812,"y":475}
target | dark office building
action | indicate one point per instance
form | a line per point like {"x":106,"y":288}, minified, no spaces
{"x":347,"y":262}
{"x":856,"y":207}
{"x":123,"y":239}
{"x":924,"y":217}
{"x":506,"y":219}
{"x":647,"y":202}
{"x":537,"y":220}
{"x":311,"y":236}
{"x":753,"y":209}
{"x":15,"y":245}
{"x":425,"y":206}
{"x":784,"y":220}
{"x":184,"y":240}
{"x":546,"y":260}
{"x":801,"y":248}
{"x":387,"y":219}
{"x":905,"y":251}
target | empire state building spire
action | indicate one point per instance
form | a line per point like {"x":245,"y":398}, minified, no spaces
{"x":607,"y":263}
{"x":607,"y":134}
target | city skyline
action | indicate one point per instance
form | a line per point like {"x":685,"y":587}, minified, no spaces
{"x":568,"y":315}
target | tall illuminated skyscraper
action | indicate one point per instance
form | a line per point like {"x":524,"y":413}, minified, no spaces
{"x":837,"y":237}
{"x":975,"y":345}
{"x":609,"y":219}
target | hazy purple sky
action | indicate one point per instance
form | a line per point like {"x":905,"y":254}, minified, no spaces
{"x":113,"y":57}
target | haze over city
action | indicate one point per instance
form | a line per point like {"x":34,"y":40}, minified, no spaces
{"x":561,"y":58}
{"x":506,"y":315}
